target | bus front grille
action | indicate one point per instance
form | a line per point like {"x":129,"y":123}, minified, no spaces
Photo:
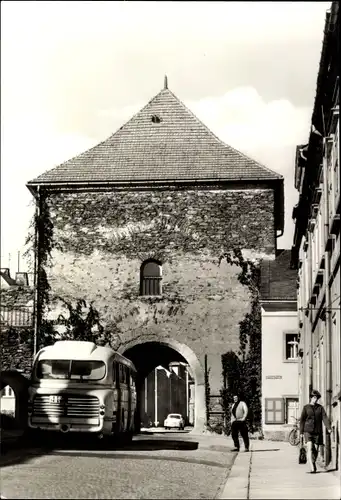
{"x":63,"y":405}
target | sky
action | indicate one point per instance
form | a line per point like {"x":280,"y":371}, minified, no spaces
{"x":73,"y":72}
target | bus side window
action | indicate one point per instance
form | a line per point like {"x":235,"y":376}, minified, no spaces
{"x":121,"y":372}
{"x":114,"y":374}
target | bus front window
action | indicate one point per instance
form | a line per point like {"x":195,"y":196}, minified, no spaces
{"x":89,"y":370}
{"x":70,"y":369}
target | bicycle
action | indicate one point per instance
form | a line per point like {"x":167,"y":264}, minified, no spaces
{"x":294,"y":434}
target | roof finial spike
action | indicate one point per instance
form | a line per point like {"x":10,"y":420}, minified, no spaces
{"x":166,"y":82}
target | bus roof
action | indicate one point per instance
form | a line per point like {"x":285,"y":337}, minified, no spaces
{"x":81,"y":350}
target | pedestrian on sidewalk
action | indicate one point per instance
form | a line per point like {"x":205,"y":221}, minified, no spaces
{"x":313,"y":414}
{"x":239,"y":413}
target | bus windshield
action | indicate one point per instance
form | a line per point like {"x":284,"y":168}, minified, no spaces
{"x":67,"y":369}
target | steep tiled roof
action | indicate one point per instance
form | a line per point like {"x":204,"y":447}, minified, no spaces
{"x":180,"y":147}
{"x":278,"y":280}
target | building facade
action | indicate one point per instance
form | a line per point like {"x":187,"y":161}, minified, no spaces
{"x":280,"y":394}
{"x":316,"y":248}
{"x":139,"y":224}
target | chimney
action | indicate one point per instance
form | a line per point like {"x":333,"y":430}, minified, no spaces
{"x":21,"y":279}
{"x":5,"y":270}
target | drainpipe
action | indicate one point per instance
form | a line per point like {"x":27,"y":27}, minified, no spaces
{"x":328,"y":297}
{"x":36,"y":271}
{"x":309,"y":324}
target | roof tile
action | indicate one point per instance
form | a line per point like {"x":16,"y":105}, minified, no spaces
{"x":278,"y":280}
{"x":180,"y":147}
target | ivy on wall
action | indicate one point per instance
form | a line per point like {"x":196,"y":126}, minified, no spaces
{"x":40,"y":242}
{"x":169,"y":220}
{"x":242,"y":370}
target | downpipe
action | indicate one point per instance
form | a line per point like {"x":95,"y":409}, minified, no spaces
{"x":328,"y":314}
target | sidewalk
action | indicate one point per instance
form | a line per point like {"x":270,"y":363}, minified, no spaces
{"x":271,"y":471}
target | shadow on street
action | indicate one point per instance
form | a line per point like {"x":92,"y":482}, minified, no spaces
{"x":136,"y":444}
{"x":26,"y":449}
{"x":21,"y":452}
{"x":116,"y":456}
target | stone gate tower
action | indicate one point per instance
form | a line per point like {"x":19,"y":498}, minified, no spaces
{"x":139,"y":223}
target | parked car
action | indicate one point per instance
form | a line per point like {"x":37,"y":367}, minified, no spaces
{"x":174,"y":420}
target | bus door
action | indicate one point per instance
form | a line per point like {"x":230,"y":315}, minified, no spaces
{"x":124,"y":390}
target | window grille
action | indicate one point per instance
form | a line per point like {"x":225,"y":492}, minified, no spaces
{"x":151,"y":276}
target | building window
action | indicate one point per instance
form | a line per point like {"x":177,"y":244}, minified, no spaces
{"x":151,"y":275}
{"x":7,"y":392}
{"x":274,"y":411}
{"x":291,"y":410}
{"x":291,"y":346}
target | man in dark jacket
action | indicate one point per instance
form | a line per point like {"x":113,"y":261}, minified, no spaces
{"x":239,"y":413}
{"x":313,"y":414}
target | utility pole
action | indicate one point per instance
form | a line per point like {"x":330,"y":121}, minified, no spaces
{"x":18,"y":261}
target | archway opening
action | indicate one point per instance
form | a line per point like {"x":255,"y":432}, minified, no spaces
{"x":14,"y":396}
{"x":170,"y":379}
{"x":8,"y":406}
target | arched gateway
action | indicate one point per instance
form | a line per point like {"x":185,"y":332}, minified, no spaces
{"x":147,"y":354}
{"x":19,"y":385}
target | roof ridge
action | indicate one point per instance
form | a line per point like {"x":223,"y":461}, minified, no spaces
{"x":218,"y":139}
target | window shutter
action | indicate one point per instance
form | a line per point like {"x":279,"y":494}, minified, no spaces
{"x":274,"y":411}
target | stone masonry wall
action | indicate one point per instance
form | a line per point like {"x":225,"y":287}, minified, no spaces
{"x":103,"y":237}
{"x":16,"y":342}
{"x":17,"y":350}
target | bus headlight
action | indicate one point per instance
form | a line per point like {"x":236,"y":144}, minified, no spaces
{"x":102,"y":410}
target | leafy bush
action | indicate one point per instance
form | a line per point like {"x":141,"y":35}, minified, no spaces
{"x":242,"y":372}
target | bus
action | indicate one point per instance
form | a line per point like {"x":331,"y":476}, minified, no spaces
{"x":77,"y":386}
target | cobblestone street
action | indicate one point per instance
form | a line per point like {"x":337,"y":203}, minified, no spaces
{"x":152,"y":466}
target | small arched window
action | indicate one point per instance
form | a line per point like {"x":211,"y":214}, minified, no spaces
{"x":151,"y":276}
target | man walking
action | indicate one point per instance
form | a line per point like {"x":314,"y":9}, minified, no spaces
{"x":239,"y":413}
{"x":313,"y":414}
